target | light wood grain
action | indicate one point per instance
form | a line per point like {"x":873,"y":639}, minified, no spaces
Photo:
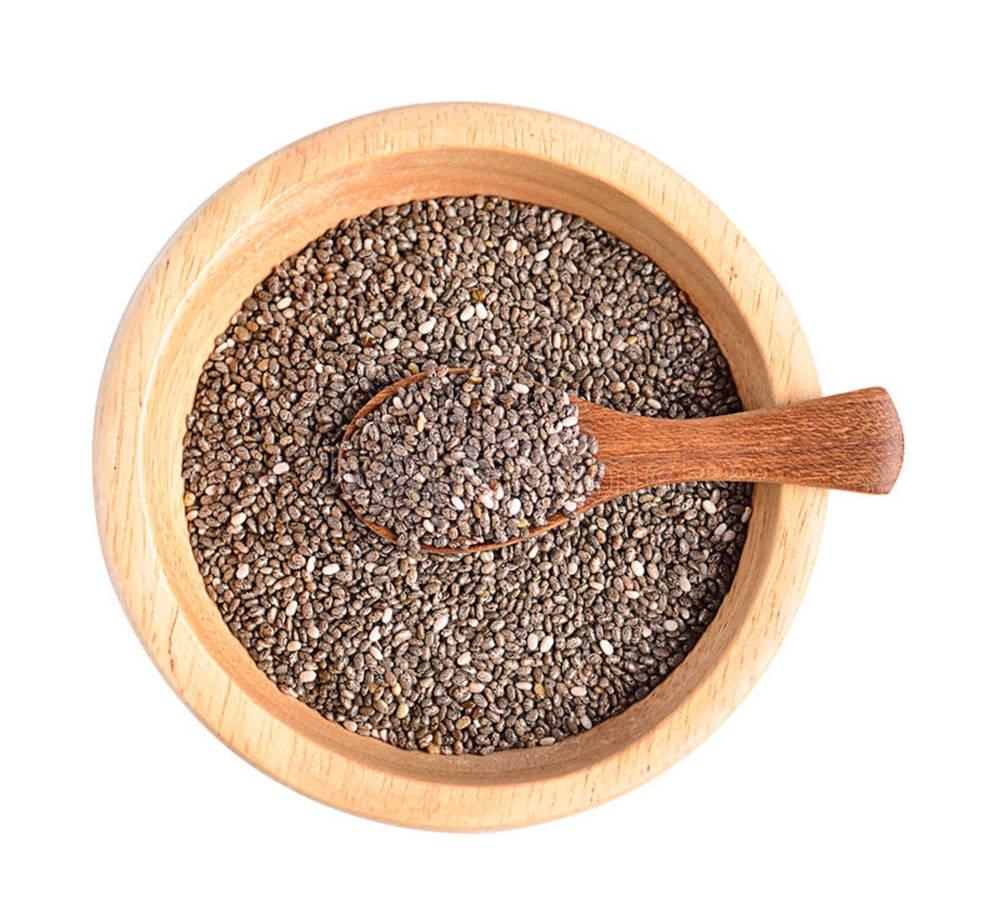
{"x":190,"y":293}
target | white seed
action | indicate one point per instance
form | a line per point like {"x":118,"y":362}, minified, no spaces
{"x":427,"y":326}
{"x":512,"y":245}
{"x":541,"y":255}
{"x":238,"y":518}
{"x":440,"y":623}
{"x":457,"y":503}
{"x":421,"y":422}
{"x":546,"y":644}
{"x":532,"y":641}
{"x":607,"y":648}
{"x":684,"y":583}
{"x":709,"y":506}
{"x":280,"y":467}
{"x":468,"y":313}
{"x":464,"y":659}
{"x":578,"y":691}
{"x":330,"y":569}
{"x":747,"y":512}
{"x":518,"y":387}
{"x":514,"y":507}
{"x":242,"y":571}
{"x":483,"y":313}
{"x":392,"y":344}
{"x":307,"y":676}
{"x":291,"y":608}
{"x":637,"y":567}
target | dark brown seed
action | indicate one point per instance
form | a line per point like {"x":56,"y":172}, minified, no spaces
{"x":353,"y":626}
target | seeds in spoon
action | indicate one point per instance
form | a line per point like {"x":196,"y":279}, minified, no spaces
{"x":456,"y":460}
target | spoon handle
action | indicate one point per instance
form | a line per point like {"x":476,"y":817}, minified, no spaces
{"x":851,"y":441}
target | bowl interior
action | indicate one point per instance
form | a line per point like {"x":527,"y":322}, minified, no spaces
{"x":282,"y":227}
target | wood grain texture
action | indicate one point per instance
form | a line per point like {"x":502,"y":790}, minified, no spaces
{"x":851,"y":441}
{"x":197,"y":283}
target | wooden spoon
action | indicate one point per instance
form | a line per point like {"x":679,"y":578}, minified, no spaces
{"x":851,"y":441}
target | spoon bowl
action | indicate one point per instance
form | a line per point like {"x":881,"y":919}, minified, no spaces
{"x":851,"y":441}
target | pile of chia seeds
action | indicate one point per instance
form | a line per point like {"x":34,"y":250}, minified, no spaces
{"x":460,"y":460}
{"x":477,"y":652}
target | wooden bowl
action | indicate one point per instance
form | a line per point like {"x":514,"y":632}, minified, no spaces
{"x":199,"y":281}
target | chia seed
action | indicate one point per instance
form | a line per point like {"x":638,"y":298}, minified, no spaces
{"x":459,"y":460}
{"x":482,"y":651}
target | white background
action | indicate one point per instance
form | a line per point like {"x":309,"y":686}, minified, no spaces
{"x":855,"y":148}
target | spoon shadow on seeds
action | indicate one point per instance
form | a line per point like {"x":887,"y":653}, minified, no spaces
{"x":852,"y":441}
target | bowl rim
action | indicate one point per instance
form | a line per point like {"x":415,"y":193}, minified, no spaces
{"x":293,"y":751}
